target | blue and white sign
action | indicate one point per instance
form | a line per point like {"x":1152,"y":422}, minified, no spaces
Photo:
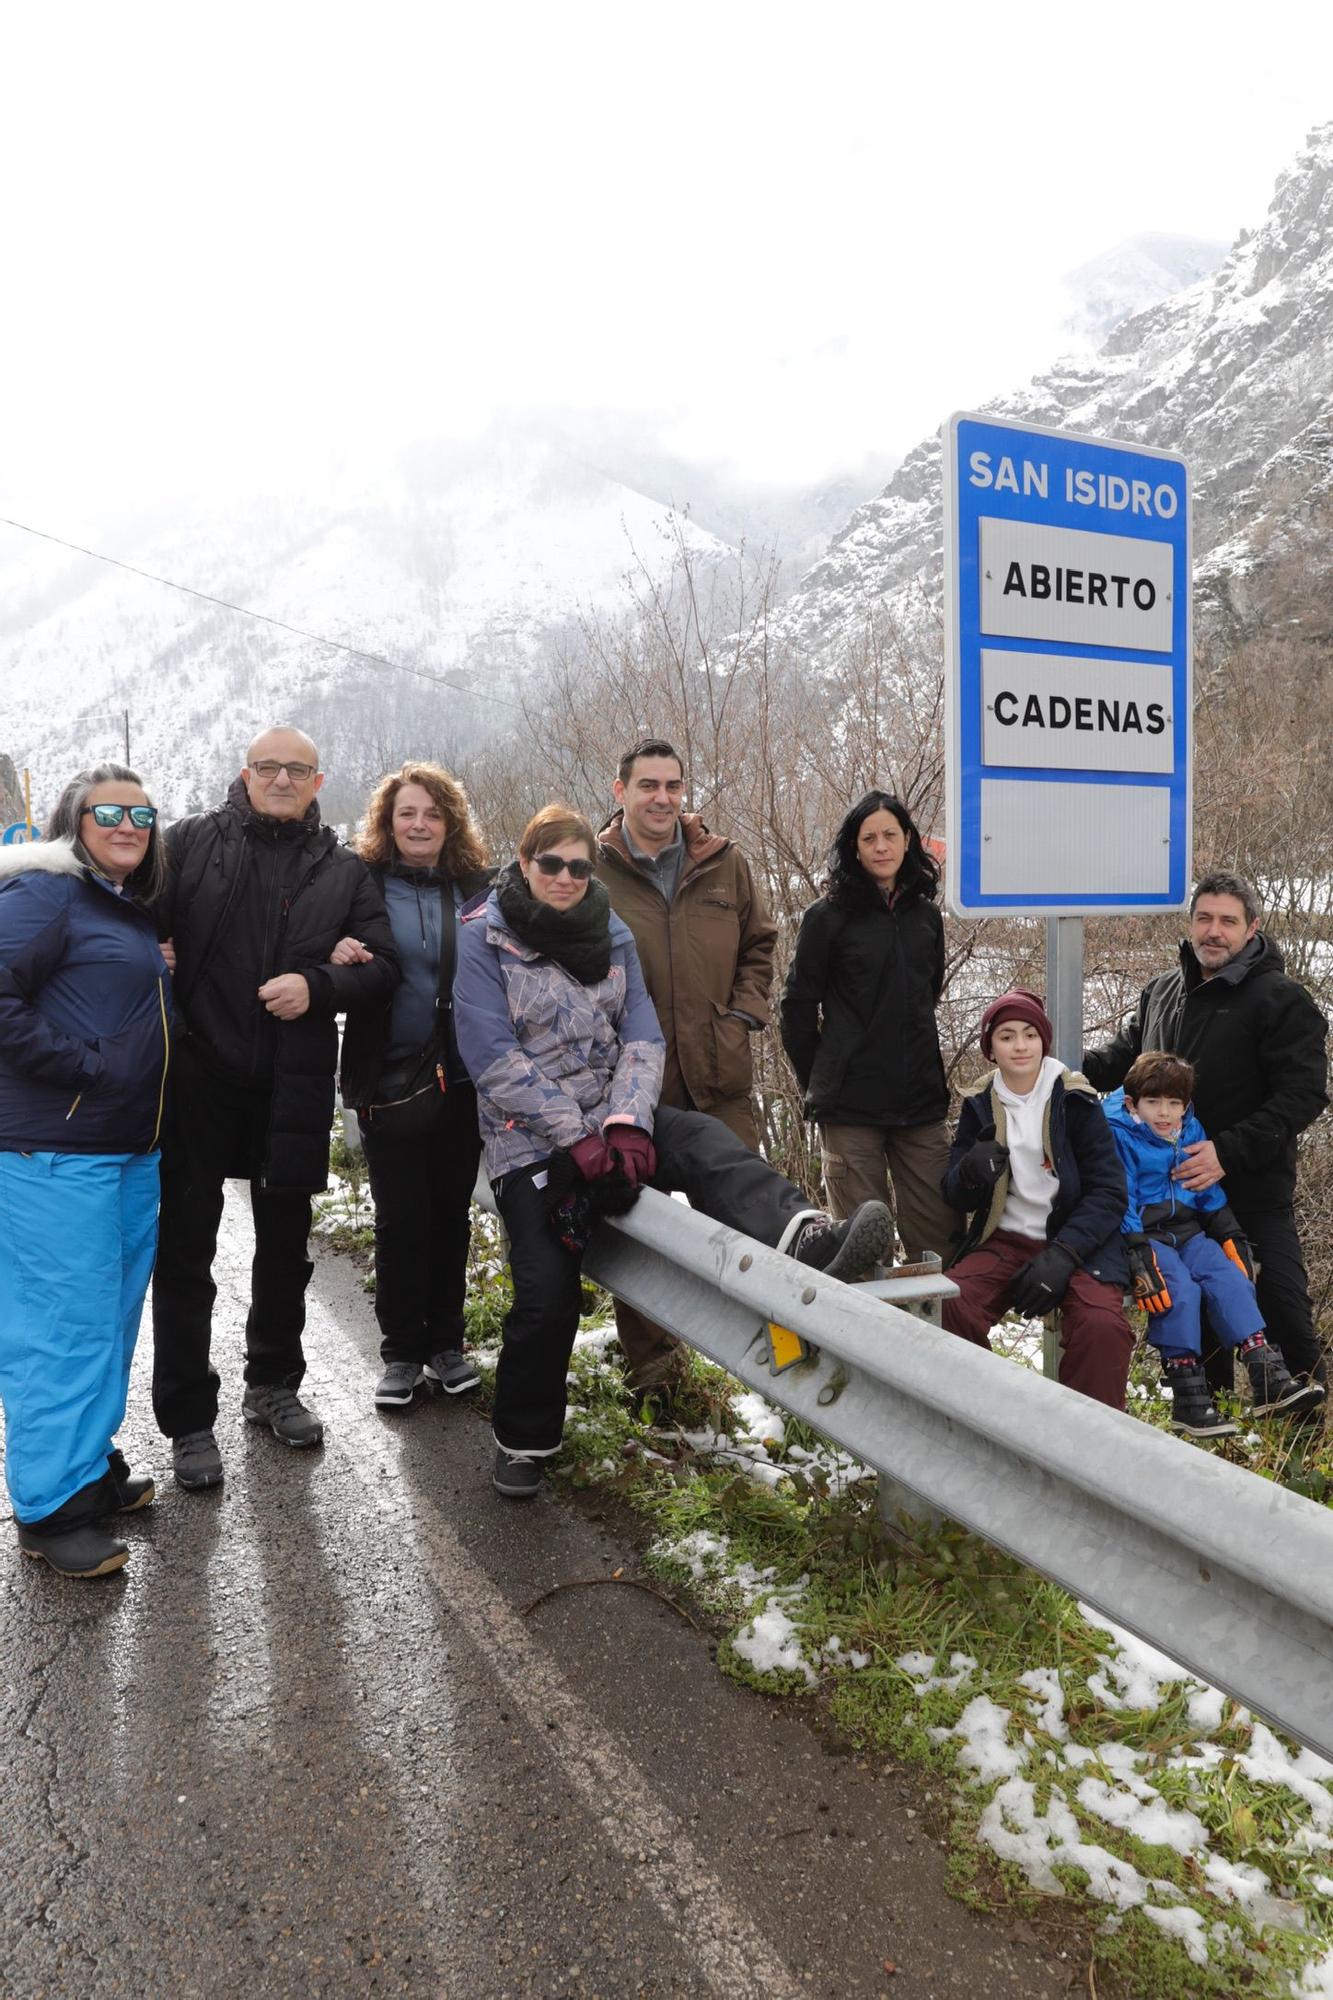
{"x":1069,"y":679}
{"x":19,"y":831}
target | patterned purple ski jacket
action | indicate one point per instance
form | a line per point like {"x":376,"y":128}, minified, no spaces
{"x":552,"y":1059}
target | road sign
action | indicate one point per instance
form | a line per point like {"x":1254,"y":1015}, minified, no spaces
{"x":1069,"y":688}
{"x":21,"y":830}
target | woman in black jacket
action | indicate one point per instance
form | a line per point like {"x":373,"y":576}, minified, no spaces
{"x":858,"y":1023}
{"x":416,"y":1108}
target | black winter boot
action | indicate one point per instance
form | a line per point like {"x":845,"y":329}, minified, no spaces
{"x":1192,"y":1408}
{"x":73,"y":1540}
{"x":131,"y":1492}
{"x":1275,"y":1392}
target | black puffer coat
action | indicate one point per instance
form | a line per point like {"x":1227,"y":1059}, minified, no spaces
{"x":858,"y":1013}
{"x":248,"y":898}
{"x":1257,"y":1042}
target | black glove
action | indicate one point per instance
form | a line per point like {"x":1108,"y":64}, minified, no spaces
{"x":982,"y":1165}
{"x":1040,"y":1285}
{"x":1145,"y":1276}
{"x":1223,"y":1227}
{"x":575,"y":1205}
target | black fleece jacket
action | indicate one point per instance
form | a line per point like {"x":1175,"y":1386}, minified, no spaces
{"x":1258,"y":1044}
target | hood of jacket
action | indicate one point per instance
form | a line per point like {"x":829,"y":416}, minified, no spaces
{"x":1257,"y":959}
{"x":700,"y":844}
{"x":46,"y":857}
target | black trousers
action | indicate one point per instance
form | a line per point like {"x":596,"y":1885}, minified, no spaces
{"x":216,"y":1133}
{"x":1284,"y":1297}
{"x":696,"y":1155}
{"x":423,"y":1195}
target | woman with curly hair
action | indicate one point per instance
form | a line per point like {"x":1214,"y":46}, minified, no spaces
{"x":401,"y":1073}
{"x":858,"y":1023}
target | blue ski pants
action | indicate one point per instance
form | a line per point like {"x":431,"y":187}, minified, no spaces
{"x":1200,"y":1268}
{"x":78,"y":1232}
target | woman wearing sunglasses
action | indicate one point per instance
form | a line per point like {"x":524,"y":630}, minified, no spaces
{"x":560,"y":1038}
{"x":85,"y":1014}
{"x":401,"y":1072}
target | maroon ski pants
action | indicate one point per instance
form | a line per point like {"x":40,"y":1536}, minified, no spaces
{"x":1095,"y":1343}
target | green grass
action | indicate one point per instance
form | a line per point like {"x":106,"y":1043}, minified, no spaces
{"x":815,"y":1547}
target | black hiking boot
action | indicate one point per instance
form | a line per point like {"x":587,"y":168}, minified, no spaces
{"x":1192,"y":1409}
{"x":450,"y":1370}
{"x":131,"y":1492}
{"x":1275,"y":1391}
{"x":846,"y":1250}
{"x":196,"y":1461}
{"x":281,"y":1410}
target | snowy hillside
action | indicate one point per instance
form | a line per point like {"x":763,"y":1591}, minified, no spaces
{"x":1132,"y":277}
{"x":1236,"y":372}
{"x":462,"y":562}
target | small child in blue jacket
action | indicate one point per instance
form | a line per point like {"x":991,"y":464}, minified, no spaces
{"x":1185,"y":1249}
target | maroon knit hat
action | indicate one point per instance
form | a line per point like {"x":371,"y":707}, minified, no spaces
{"x":1017,"y":1005}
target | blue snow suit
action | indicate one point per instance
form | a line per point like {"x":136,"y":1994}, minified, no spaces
{"x":1192,"y":1264}
{"x":85,"y":1026}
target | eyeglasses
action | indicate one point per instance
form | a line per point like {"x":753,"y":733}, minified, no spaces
{"x":555,"y":864}
{"x":140,"y":816}
{"x":268,"y":771}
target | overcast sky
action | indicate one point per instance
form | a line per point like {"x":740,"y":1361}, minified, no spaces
{"x":234,"y":237}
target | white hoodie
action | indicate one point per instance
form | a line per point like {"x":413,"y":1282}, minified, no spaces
{"x":1033,"y":1183}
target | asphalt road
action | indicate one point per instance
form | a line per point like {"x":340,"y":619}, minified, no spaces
{"x":312,"y":1742}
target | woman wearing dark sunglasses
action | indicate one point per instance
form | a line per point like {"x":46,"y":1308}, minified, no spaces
{"x":85,"y":1015}
{"x":560,"y":1038}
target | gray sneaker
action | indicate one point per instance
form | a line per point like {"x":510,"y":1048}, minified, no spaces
{"x":196,"y":1461}
{"x":450,"y":1371}
{"x":397,"y":1385}
{"x":274,"y":1404}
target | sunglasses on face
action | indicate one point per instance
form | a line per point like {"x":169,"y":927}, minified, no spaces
{"x":140,"y":816}
{"x":268,"y":771}
{"x":555,"y":864}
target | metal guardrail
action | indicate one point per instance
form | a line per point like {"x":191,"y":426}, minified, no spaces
{"x":1226,"y":1573}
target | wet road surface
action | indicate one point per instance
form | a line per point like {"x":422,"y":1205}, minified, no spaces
{"x":307,"y":1743}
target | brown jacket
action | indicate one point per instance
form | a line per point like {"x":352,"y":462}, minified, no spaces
{"x":712,"y":951}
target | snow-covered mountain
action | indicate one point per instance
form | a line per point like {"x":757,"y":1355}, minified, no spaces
{"x":1236,"y":372}
{"x":1131,"y":277}
{"x":464,"y":563}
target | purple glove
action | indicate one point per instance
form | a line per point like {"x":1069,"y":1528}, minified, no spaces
{"x":634,"y":1151}
{"x":591,"y":1157}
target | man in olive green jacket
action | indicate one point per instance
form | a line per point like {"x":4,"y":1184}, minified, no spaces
{"x":705,"y":940}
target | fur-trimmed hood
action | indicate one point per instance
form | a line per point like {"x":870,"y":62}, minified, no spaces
{"x":46,"y":857}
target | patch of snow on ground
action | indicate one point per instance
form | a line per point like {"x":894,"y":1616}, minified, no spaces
{"x":1185,"y":1924}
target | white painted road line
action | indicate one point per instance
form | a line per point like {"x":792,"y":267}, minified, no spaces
{"x":732,"y":1955}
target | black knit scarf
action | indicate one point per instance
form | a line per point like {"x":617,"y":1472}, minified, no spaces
{"x":579,"y":940}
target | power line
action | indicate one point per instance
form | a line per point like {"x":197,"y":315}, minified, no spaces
{"x":244,"y":611}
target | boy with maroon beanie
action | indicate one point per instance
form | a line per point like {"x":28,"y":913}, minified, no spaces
{"x":1034,"y":1165}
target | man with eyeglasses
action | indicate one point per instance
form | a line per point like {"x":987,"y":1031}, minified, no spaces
{"x":259,"y":893}
{"x":705,"y":941}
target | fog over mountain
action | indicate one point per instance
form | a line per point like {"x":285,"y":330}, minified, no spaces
{"x":467,"y":562}
{"x":1236,"y":372}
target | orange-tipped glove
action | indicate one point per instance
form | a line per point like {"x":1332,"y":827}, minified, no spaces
{"x":1223,"y":1227}
{"x":1145,"y":1276}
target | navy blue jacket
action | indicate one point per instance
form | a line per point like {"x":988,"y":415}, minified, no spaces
{"x":1090,"y":1197}
{"x":85,"y":1010}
